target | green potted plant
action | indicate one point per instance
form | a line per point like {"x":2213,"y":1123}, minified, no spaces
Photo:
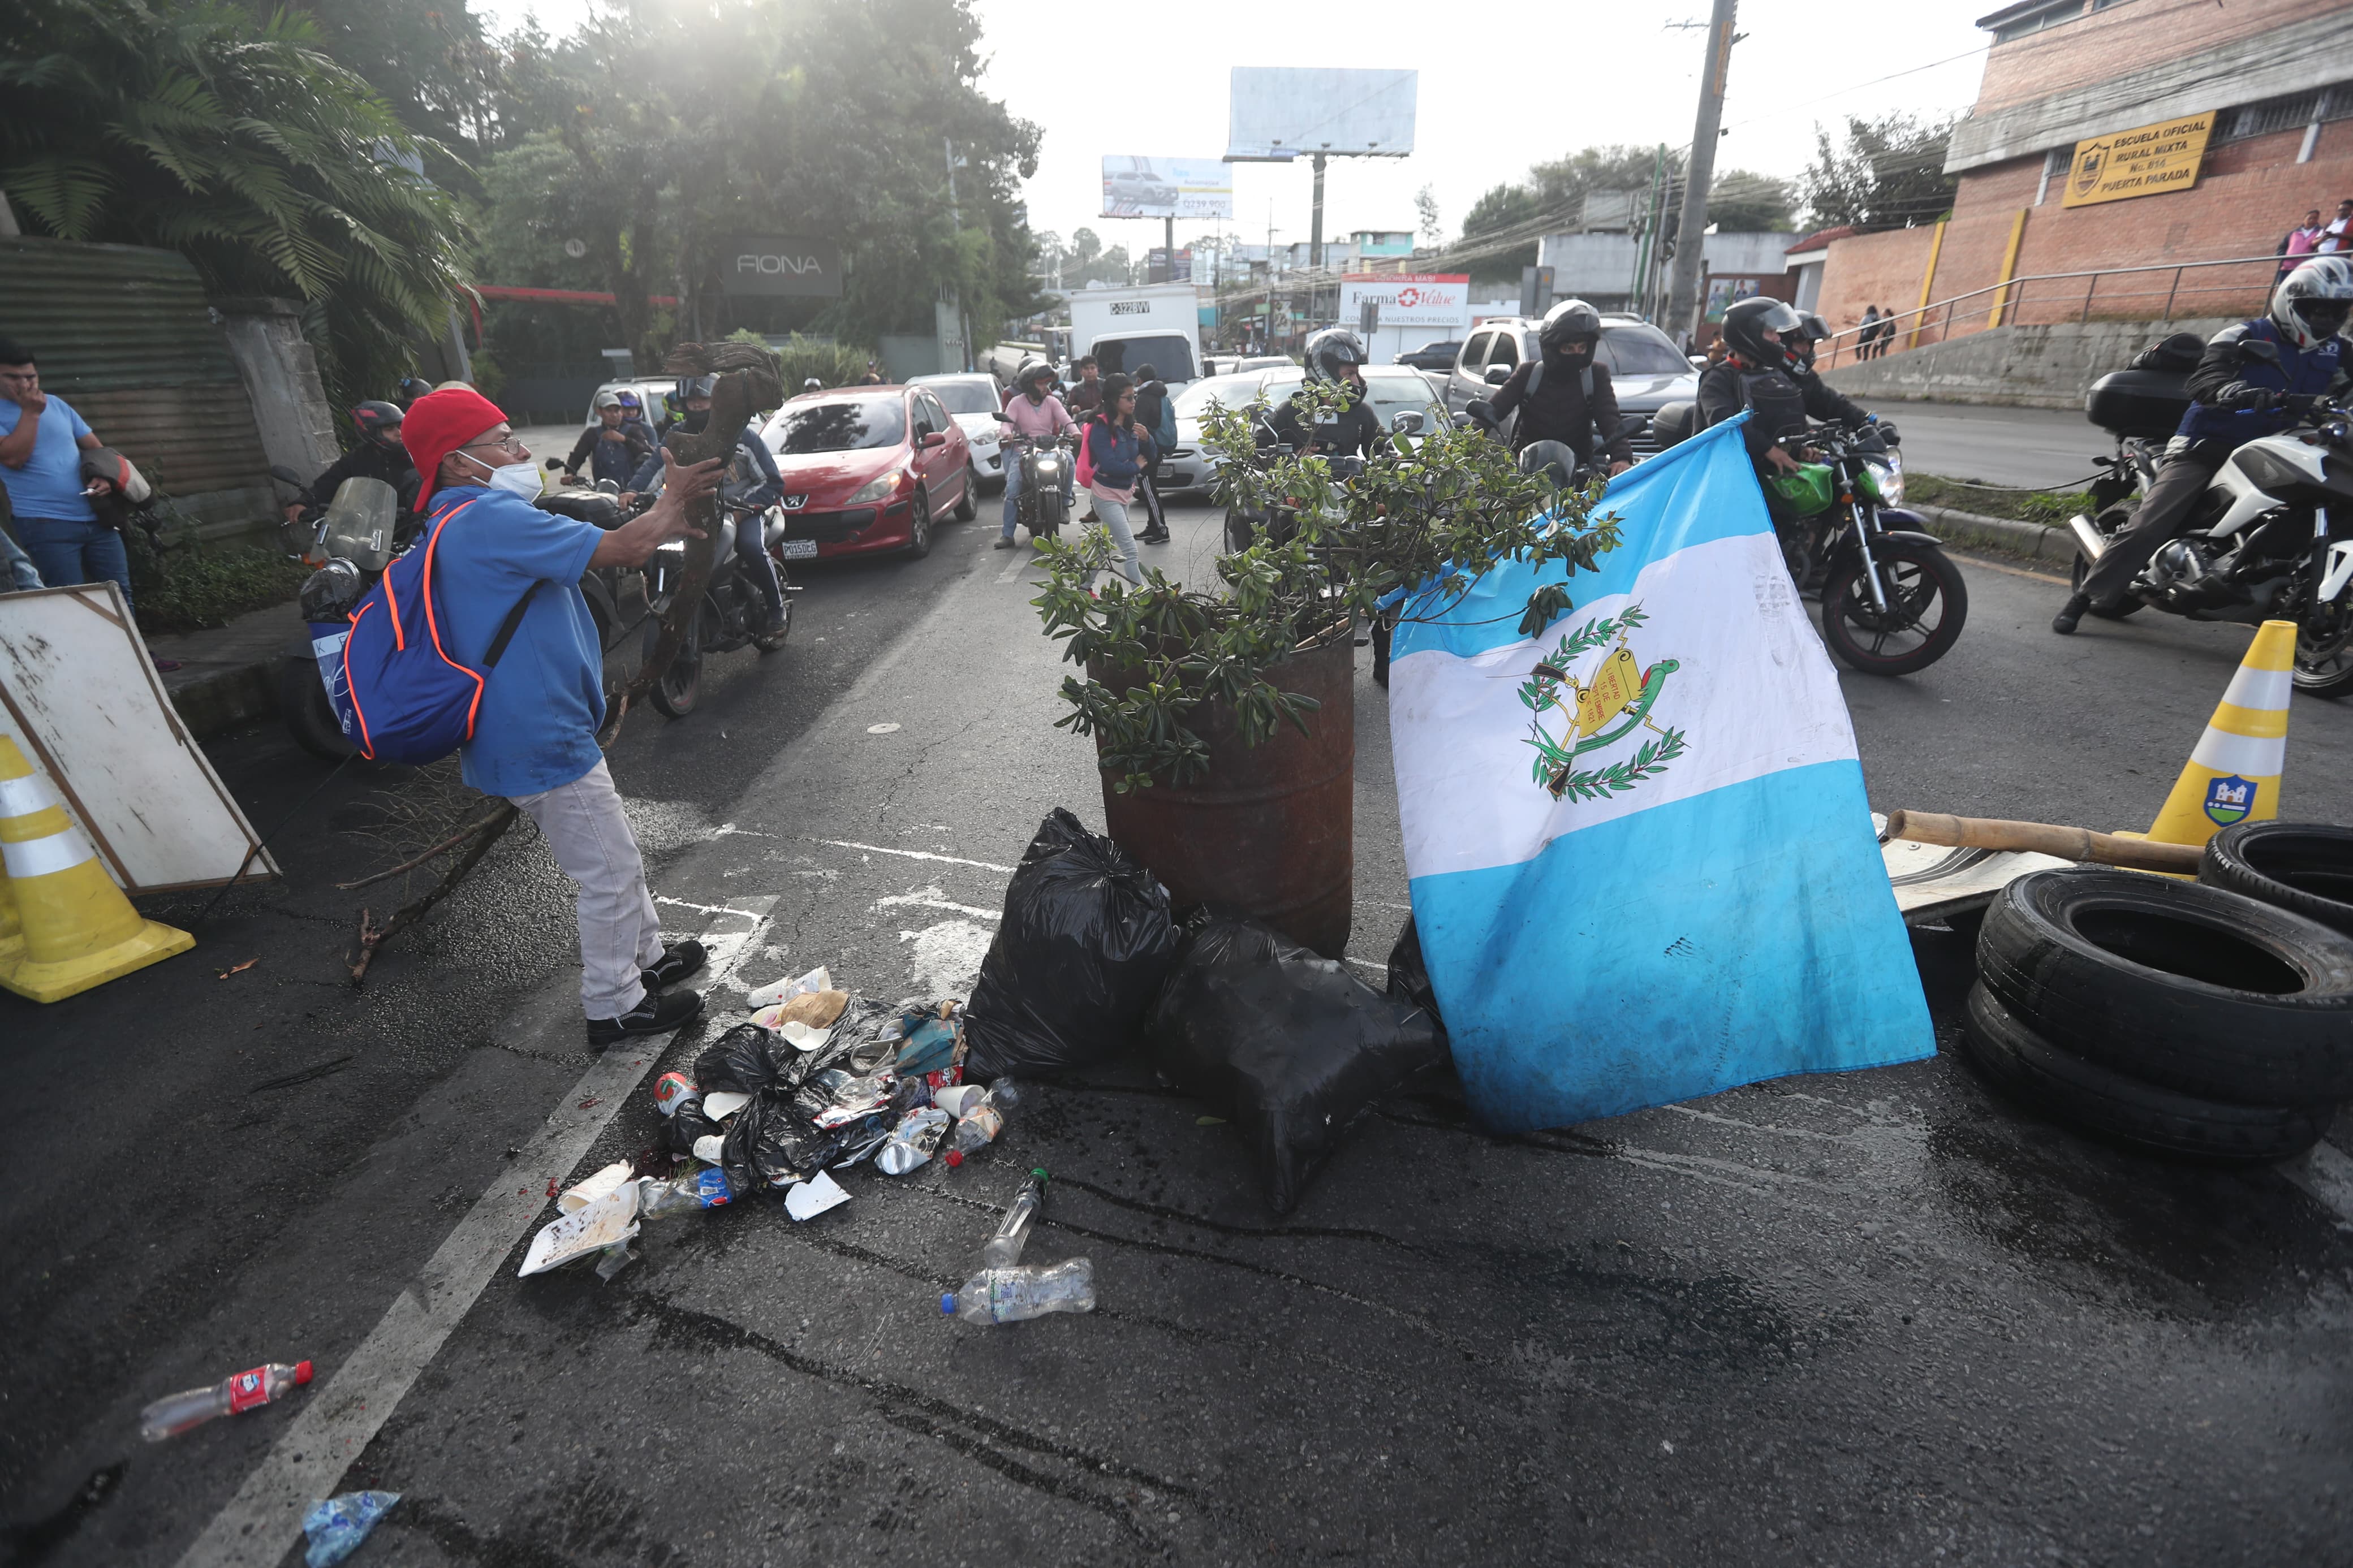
{"x":1223,"y":715}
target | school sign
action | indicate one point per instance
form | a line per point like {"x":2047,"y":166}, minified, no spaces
{"x":2148,"y":160}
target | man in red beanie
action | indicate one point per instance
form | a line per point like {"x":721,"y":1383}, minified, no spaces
{"x":536,"y":735}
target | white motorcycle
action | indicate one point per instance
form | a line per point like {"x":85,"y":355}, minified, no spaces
{"x":2262,"y":545}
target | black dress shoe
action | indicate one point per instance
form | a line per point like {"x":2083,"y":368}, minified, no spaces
{"x":678,"y":960}
{"x":2070,"y":613}
{"x":660,"y":1013}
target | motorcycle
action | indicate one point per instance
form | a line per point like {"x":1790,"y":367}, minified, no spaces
{"x":1280,"y":520}
{"x":734,"y":610}
{"x":1892,"y":602}
{"x":2260,"y":546}
{"x":1043,"y":505}
{"x":2141,"y":406}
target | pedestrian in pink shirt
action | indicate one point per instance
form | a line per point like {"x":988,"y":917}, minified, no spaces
{"x":2301,"y":242}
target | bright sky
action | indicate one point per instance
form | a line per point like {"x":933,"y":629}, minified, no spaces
{"x":1615,"y":74}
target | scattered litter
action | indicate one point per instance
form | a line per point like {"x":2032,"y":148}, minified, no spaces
{"x":671,"y":1088}
{"x":806,"y":1200}
{"x":1012,"y":1294}
{"x":974,"y":1129}
{"x":1003,"y":1249}
{"x":769,"y":995}
{"x":801,"y":1036}
{"x":177,"y":1413}
{"x":1085,"y":942}
{"x":710,"y":1148}
{"x":338,"y":1525}
{"x":913,"y":1141}
{"x":611,"y":1219}
{"x":1290,"y":1045}
{"x":689,"y":1193}
{"x":721,"y":1105}
{"x":955,"y":1098}
{"x":602,"y":1184}
{"x":236,"y":969}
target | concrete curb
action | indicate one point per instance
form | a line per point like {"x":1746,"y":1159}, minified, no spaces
{"x":229,"y":674}
{"x":220,"y":700}
{"x":2029,"y":541}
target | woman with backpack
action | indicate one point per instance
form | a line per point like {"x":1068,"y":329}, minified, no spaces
{"x":1156,"y":414}
{"x":1111,"y":461}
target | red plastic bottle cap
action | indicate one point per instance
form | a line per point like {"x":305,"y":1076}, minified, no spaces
{"x":301,"y":1372}
{"x":955,"y":1158}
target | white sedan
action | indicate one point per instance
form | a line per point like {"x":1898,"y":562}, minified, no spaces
{"x":972,"y":400}
{"x":1192,"y":466}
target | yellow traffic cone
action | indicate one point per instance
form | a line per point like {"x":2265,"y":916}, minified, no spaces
{"x":2233,"y":776}
{"x":12,"y":934}
{"x":79,"y":930}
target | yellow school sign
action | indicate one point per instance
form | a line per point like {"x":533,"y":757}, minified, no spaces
{"x":2146,"y":162}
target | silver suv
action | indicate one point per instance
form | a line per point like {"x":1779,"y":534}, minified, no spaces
{"x":1646,"y":369}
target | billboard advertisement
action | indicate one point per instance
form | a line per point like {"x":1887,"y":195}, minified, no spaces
{"x":780,"y":264}
{"x":1415,"y":299}
{"x":1167,"y":187}
{"x":1282,"y":112}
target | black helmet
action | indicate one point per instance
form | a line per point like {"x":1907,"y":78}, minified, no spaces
{"x":1331,"y":351}
{"x":378,"y":422}
{"x":1805,"y":338}
{"x":1746,"y":324}
{"x":696,"y":386}
{"x":1032,"y":369}
{"x":1571,"y":320}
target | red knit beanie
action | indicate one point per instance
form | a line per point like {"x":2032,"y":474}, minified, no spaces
{"x":438,"y":424}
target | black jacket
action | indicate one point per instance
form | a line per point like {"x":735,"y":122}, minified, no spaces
{"x":1360,"y":427}
{"x":613,"y":460}
{"x":1827,"y":403}
{"x":366,"y":461}
{"x":1726,"y":389}
{"x":1561,"y":412}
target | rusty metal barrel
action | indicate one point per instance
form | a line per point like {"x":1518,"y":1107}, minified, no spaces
{"x":1268,"y":831}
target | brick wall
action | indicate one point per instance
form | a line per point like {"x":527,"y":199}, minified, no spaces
{"x":2123,"y":37}
{"x":1882,"y":269}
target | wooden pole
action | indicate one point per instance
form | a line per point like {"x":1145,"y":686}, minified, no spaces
{"x":2043,"y":839}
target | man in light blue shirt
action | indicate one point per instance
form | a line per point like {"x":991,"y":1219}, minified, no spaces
{"x":41,"y":443}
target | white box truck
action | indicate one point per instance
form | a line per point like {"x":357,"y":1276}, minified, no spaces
{"x":1158,"y":324}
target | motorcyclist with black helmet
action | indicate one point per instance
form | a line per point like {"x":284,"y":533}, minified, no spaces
{"x":379,"y":456}
{"x":1824,"y":401}
{"x":2238,"y":393}
{"x":1335,"y":356}
{"x":693,"y":396}
{"x":1755,"y":377}
{"x":1563,"y":395}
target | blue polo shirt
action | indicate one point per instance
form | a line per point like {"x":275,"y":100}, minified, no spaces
{"x":50,"y":484}
{"x":543,"y":705}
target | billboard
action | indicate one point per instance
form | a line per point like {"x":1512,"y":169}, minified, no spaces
{"x":1408,"y":298}
{"x":780,"y":264}
{"x":1167,"y":187}
{"x":1282,"y":112}
{"x":2147,"y":161}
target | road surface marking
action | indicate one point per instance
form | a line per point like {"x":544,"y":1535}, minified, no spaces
{"x":913,"y":855}
{"x":2326,"y":1174}
{"x":934,"y":898}
{"x":254,"y":1528}
{"x":1015,"y":568}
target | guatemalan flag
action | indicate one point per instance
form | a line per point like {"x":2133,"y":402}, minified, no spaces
{"x":1643,"y":868}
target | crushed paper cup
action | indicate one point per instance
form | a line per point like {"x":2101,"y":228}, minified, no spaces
{"x":707,"y":1148}
{"x":609,"y":1219}
{"x":591,"y":1188}
{"x":957,"y":1098}
{"x":809,"y":1199}
{"x":802,"y":1037}
{"x":721,"y":1104}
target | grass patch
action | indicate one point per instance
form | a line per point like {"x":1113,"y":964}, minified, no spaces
{"x":2049,"y":509}
{"x":179,"y":586}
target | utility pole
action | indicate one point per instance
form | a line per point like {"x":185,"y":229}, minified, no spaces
{"x":1315,"y":229}
{"x":1683,"y":289}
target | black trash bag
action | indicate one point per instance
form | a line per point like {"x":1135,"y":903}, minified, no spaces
{"x":770,"y":1144}
{"x":1288,"y":1044}
{"x":1409,"y":977}
{"x":1086,"y":940}
{"x":747,"y":1059}
{"x":688,"y":1124}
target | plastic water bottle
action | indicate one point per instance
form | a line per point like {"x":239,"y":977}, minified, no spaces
{"x":704,"y":1189}
{"x":1003,"y":1250}
{"x":177,"y":1413}
{"x":1013,"y":1295}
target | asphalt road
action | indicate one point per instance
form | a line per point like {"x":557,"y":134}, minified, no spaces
{"x":2027,"y":446}
{"x":1874,"y":1318}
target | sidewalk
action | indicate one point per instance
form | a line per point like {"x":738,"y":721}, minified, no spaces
{"x":227,"y":675}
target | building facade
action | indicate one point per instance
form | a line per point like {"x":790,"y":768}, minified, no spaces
{"x":2138,"y":141}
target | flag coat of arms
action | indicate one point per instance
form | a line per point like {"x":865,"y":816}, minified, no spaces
{"x":1642,"y":865}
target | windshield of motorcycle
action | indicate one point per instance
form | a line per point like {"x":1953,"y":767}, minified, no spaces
{"x":841,"y":425}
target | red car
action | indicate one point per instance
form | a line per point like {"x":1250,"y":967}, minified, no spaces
{"x":868,"y":470}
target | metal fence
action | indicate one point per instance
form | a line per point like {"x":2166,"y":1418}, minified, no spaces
{"x":2236,"y":287}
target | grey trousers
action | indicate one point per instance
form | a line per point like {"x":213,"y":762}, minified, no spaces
{"x":619,"y":933}
{"x":2163,"y":513}
{"x":1113,"y":513}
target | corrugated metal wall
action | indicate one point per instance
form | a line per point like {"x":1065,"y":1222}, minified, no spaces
{"x":124,"y":334}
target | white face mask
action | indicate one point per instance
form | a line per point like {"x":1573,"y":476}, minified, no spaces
{"x":516,"y":478}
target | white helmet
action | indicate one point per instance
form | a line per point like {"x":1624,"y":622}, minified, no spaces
{"x":2310,"y":304}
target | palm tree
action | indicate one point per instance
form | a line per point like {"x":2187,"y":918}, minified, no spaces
{"x":193,"y":126}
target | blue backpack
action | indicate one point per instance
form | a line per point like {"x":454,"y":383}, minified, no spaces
{"x":399,"y":695}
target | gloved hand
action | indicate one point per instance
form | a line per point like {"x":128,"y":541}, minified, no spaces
{"x":2302,"y":404}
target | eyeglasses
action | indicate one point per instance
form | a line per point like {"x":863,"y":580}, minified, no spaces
{"x":509,"y":442}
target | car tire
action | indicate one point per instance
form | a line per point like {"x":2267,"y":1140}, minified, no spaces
{"x":2189,"y":987}
{"x":919,"y":525}
{"x":2306,"y":868}
{"x":2123,"y":1110}
{"x":968,"y":506}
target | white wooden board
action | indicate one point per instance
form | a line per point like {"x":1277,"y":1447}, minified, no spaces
{"x":79,"y":695}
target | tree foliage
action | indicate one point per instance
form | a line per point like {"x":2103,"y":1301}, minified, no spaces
{"x":1889,"y":172}
{"x":193,"y":126}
